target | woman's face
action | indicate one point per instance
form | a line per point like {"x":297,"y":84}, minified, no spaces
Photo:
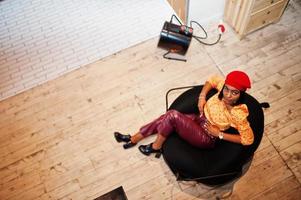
{"x":230,"y":95}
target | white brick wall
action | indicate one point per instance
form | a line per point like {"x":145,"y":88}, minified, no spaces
{"x":43,"y":39}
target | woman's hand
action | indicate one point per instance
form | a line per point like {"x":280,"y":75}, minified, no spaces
{"x":211,"y":129}
{"x":201,"y":104}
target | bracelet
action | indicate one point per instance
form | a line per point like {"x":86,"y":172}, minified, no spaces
{"x":202,"y":96}
{"x":221,"y":135}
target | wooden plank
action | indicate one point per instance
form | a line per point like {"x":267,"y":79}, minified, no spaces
{"x":226,"y":11}
{"x":287,"y":136}
{"x":287,"y":189}
{"x":245,"y":17}
{"x":291,"y":155}
{"x":180,"y":7}
{"x":22,"y":183}
{"x":31,"y":193}
{"x":261,"y":178}
{"x":264,"y":155}
{"x":236,"y":11}
{"x":229,"y":12}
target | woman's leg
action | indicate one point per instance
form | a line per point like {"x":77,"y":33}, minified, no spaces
{"x":188,"y":127}
{"x":157,"y":144}
{"x":137,"y":137}
{"x":160,"y":139}
{"x":185,"y":125}
{"x":144,"y":131}
{"x":149,"y":129}
{"x":166,"y":127}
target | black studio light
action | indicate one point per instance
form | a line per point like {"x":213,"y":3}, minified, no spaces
{"x":176,"y":38}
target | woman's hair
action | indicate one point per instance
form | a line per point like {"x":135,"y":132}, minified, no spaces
{"x":240,"y":99}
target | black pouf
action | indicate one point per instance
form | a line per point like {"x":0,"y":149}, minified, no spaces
{"x":210,"y":166}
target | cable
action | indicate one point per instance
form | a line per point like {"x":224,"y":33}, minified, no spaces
{"x":174,"y":16}
{"x":170,"y":58}
{"x":209,"y":44}
{"x":206,"y":35}
{"x":201,"y":28}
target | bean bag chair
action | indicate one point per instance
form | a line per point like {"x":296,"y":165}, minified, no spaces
{"x":211,"y":166}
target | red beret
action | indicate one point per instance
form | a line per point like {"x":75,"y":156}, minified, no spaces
{"x":239,"y":80}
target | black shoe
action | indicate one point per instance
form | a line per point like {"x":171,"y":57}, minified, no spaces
{"x":129,"y":145}
{"x":148,"y":149}
{"x":122,"y":138}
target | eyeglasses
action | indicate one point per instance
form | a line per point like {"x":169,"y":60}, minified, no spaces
{"x":232,"y":92}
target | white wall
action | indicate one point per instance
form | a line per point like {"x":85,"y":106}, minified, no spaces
{"x":205,"y":11}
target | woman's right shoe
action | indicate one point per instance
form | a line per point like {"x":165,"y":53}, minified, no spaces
{"x":122,"y":138}
{"x":148,"y":149}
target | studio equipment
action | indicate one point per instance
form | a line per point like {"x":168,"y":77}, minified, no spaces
{"x":176,"y":38}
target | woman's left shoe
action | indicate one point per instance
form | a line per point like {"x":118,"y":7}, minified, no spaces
{"x":148,"y":149}
{"x":122,"y":138}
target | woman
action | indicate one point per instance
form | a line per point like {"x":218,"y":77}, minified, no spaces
{"x":220,"y":112}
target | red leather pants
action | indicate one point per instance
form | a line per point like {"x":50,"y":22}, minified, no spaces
{"x":188,"y":126}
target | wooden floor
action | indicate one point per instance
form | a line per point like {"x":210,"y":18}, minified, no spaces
{"x":56,"y":140}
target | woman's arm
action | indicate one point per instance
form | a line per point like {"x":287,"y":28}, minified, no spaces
{"x":214,"y":131}
{"x":202,"y":97}
{"x":230,"y":137}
